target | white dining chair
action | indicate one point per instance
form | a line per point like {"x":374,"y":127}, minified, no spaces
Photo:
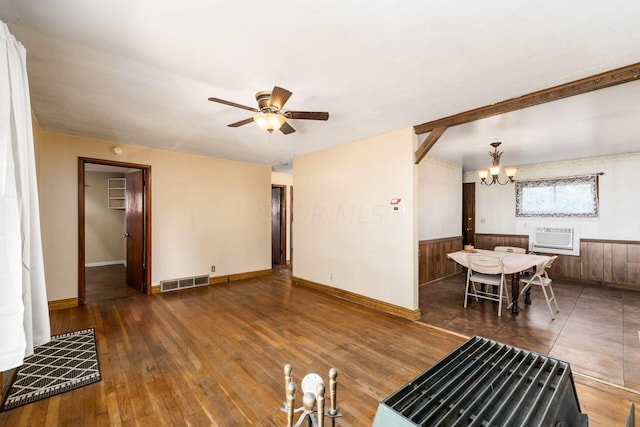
{"x":511,"y":249}
{"x":541,"y":278}
{"x":486,"y":270}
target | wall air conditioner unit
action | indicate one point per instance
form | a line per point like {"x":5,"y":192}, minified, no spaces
{"x":555,"y":240}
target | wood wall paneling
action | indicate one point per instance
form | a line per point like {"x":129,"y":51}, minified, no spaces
{"x":608,"y":262}
{"x":633,"y":253}
{"x":433,"y":263}
{"x":593,"y":261}
{"x":490,"y":241}
{"x":634,"y":274}
{"x":619,"y":263}
{"x":567,"y":266}
{"x":633,"y":265}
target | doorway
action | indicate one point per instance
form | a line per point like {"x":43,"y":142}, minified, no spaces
{"x":135,"y":201}
{"x":278,"y":224}
{"x":468,"y":213}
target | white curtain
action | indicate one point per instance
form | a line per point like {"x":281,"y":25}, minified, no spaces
{"x":24,"y":315}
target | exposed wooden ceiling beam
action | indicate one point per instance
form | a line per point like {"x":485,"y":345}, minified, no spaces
{"x":588,"y":84}
{"x":424,"y":148}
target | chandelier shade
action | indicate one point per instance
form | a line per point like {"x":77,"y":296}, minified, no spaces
{"x":494,"y":169}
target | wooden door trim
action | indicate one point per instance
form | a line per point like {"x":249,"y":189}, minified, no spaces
{"x":82,"y":161}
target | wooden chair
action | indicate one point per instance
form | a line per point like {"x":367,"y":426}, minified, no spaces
{"x":486,"y":270}
{"x":540,"y":278}
{"x":512,"y":249}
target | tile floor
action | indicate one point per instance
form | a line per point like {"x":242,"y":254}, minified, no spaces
{"x":597,"y":329}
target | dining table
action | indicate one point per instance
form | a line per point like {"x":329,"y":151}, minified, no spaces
{"x":513,"y":264}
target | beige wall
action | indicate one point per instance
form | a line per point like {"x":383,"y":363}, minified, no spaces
{"x":103,"y":226}
{"x":205,"y":211}
{"x":344,"y":233}
{"x":287,"y":180}
{"x":618,"y":204}
{"x":440,"y":200}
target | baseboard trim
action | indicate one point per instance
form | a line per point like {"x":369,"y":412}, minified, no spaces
{"x":249,"y":275}
{"x":375,"y":304}
{"x":218,"y":279}
{"x":155,"y":289}
{"x":63,"y":303}
{"x":239,"y":276}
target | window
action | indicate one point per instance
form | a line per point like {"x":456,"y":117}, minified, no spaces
{"x":575,"y":196}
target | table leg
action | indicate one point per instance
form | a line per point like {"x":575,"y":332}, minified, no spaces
{"x":515,"y":292}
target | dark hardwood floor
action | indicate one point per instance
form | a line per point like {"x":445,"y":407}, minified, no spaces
{"x":597,"y":329}
{"x":107,"y":282}
{"x":214,"y":356}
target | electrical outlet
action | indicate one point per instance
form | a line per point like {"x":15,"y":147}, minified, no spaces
{"x":213,"y":268}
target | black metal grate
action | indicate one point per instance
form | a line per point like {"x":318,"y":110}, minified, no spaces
{"x":168,"y":285}
{"x":185,"y":283}
{"x":201,"y":280}
{"x":487,"y":383}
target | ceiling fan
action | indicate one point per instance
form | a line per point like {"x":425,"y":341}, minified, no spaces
{"x":270,"y":117}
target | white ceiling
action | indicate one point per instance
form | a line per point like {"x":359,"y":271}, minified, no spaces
{"x":140,"y":72}
{"x":599,"y":123}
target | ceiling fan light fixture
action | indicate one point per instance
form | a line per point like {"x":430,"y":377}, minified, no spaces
{"x":269,"y":121}
{"x":268,"y":114}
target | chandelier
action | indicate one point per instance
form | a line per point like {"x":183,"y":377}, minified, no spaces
{"x":494,"y":169}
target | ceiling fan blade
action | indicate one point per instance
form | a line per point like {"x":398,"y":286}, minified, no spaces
{"x":241,"y":123}
{"x":233,"y":104}
{"x":279,"y":97}
{"x":307,"y":115}
{"x":286,"y":128}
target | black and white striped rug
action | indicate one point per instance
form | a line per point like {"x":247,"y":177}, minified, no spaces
{"x":67,"y":362}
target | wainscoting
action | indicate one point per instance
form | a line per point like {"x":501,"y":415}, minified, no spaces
{"x":433,"y":262}
{"x":610,"y":261}
{"x":605,"y":262}
{"x":490,"y":241}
